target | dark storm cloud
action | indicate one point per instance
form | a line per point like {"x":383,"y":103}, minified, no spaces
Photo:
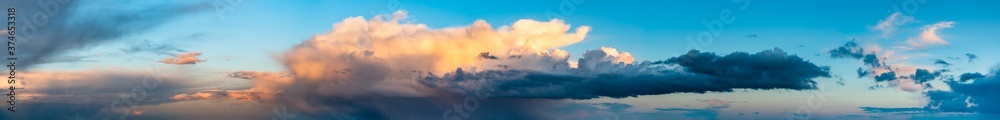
{"x":703,"y":72}
{"x":772,"y":64}
{"x":47,"y":30}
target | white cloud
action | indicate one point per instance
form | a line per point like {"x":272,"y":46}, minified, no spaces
{"x":930,"y":35}
{"x":889,"y":25}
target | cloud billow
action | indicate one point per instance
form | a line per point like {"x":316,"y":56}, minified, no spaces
{"x":853,"y":51}
{"x":513,"y":70}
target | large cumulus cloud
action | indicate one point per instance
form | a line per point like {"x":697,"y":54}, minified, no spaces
{"x":381,"y":69}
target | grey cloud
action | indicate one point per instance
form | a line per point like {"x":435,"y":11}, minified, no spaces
{"x":969,"y":76}
{"x":941,"y":62}
{"x":703,"y":72}
{"x":886,"y":76}
{"x":924,"y":75}
{"x":90,"y":94}
{"x":979,"y":95}
{"x":971,"y":56}
{"x":535,"y":94}
{"x":981,"y":92}
{"x":863,"y":72}
{"x":77,"y":25}
{"x":852,"y":50}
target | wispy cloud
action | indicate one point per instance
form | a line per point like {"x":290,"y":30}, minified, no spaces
{"x":930,"y":35}
{"x":888,"y":26}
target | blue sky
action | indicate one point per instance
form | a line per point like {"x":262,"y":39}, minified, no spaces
{"x":258,"y":35}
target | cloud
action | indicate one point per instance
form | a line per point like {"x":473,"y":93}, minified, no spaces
{"x":969,"y":76}
{"x":380,"y":68}
{"x":971,"y":56}
{"x":886,"y":76}
{"x":772,"y":64}
{"x":947,"y":101}
{"x":973,"y":92}
{"x":941,"y":62}
{"x":924,"y":75}
{"x":150,"y":47}
{"x":888,"y":25}
{"x":703,"y":72}
{"x":184,"y":58}
{"x":267,"y":86}
{"x":981,"y":92}
{"x":930,"y":35}
{"x":54,"y":94}
{"x":890,"y":110}
{"x":73,"y":25}
{"x":593,"y":59}
{"x":853,"y":51}
{"x":897,"y":74}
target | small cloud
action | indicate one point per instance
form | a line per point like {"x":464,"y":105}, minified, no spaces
{"x":185,"y":58}
{"x":941,"y":62}
{"x":886,"y":76}
{"x":968,"y":76}
{"x":889,"y":24}
{"x":924,"y":75}
{"x":891,"y":110}
{"x":486,"y":55}
{"x":971,"y":56}
{"x":852,"y":50}
{"x":150,"y":47}
{"x":930,"y":35}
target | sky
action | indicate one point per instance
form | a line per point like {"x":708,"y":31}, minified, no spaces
{"x":514,"y":59}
